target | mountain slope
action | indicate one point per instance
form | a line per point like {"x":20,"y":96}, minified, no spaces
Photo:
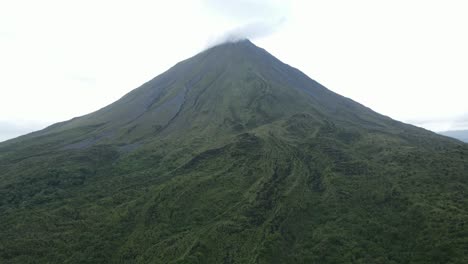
{"x":232,"y":156}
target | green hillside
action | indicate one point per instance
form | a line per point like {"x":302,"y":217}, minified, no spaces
{"x":232,"y":156}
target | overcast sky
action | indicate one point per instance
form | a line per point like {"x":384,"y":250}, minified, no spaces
{"x":407,"y":59}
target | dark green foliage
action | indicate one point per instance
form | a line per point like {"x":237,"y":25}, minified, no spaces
{"x":233,"y":157}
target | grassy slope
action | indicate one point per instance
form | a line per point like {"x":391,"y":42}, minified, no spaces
{"x":247,"y":170}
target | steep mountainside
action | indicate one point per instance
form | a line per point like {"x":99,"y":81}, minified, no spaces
{"x":232,"y":156}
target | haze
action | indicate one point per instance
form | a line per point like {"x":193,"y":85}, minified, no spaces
{"x":61,"y":59}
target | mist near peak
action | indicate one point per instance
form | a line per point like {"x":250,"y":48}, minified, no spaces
{"x":251,"y":19}
{"x":252,"y":30}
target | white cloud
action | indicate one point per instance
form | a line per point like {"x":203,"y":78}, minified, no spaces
{"x":405,"y":59}
{"x":250,"y":19}
{"x":247,"y":10}
{"x":253,"y":30}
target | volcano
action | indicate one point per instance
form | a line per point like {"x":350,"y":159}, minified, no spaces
{"x":232,"y":156}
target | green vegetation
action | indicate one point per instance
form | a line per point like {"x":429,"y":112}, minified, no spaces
{"x":233,"y":157}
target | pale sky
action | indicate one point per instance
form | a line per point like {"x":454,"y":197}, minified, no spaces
{"x":407,"y":59}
